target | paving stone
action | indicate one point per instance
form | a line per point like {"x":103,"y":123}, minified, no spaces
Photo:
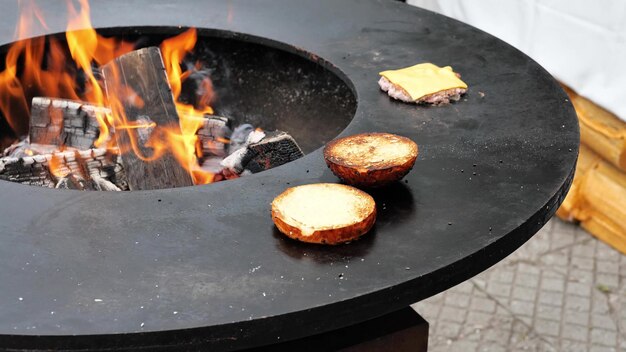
{"x":449,"y":329}
{"x":600,"y":304}
{"x":562,"y":291}
{"x":483,"y":304}
{"x":546,"y":327}
{"x":578,"y":289}
{"x":478,"y":318}
{"x":493,"y":348}
{"x":598,"y":348}
{"x":528,"y":269}
{"x":603,"y":337}
{"x":464,"y":287}
{"x":457,"y":299}
{"x":558,"y":258}
{"x":452,"y":314}
{"x":463,"y":346}
{"x":524,"y":293}
{"x":499,"y":289}
{"x":497,"y":336}
{"x":522,"y":308}
{"x":584,"y":276}
{"x":574,"y":332}
{"x":607,"y":267}
{"x":549,"y":312}
{"x":519,"y":333}
{"x":552,"y":284}
{"x":583,"y":263}
{"x":573,"y":346}
{"x":605,"y":252}
{"x":549,"y":272}
{"x":603,"y":321}
{"x":577,"y":318}
{"x":551,"y":298}
{"x":611,"y":281}
{"x":583,"y":251}
{"x":428,"y":310}
{"x":578,"y":304}
{"x":527,"y":280}
{"x":502,"y":276}
{"x":471,"y":333}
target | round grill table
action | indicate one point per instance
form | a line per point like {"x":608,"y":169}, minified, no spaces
{"x":204,"y":268}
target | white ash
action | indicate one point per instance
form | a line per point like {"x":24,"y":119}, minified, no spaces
{"x":24,"y":148}
{"x":235,"y":162}
{"x":239,"y":137}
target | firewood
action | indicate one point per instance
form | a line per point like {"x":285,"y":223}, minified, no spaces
{"x":277,"y":148}
{"x":65,"y":122}
{"x":263,"y":151}
{"x":73,"y":181}
{"x":93,"y":166}
{"x":213,"y":135}
{"x":31,"y":170}
{"x":142,"y":71}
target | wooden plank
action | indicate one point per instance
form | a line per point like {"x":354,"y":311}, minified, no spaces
{"x":65,"y":122}
{"x":143,"y":72}
{"x":597,"y":199}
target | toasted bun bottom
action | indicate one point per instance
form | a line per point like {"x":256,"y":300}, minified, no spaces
{"x":324,"y":213}
{"x":329,"y":236}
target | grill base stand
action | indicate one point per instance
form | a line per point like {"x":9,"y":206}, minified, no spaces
{"x":401,"y":331}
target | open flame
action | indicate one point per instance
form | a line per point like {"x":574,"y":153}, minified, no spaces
{"x":31,"y":70}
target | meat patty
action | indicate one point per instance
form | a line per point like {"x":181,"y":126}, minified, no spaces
{"x":438,"y":98}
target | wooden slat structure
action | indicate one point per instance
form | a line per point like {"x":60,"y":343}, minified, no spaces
{"x":597,"y":198}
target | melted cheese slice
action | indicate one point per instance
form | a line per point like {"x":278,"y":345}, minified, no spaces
{"x":424,"y":79}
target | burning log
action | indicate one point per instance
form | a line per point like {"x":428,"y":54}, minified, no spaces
{"x":214,"y":135}
{"x":263,"y":152}
{"x":65,"y":122}
{"x":101,"y":165}
{"x":31,"y":170}
{"x":94,"y":169}
{"x":142,"y":72}
{"x":73,"y":181}
{"x":277,"y":148}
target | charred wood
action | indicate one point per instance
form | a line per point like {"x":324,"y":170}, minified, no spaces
{"x":270,"y":150}
{"x":214,"y":135}
{"x":65,"y":122}
{"x":96,"y":169}
{"x":31,"y":170}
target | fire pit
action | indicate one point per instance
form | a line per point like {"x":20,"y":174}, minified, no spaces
{"x":204,"y":268}
{"x":255,"y":85}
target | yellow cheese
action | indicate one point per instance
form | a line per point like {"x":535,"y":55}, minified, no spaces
{"x":424,"y":79}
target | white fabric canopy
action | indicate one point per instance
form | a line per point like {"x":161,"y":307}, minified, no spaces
{"x":582,"y":43}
